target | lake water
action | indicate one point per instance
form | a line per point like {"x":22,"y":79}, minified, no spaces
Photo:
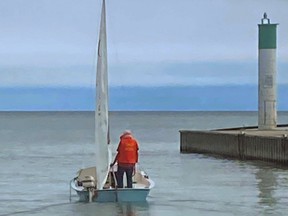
{"x":42,"y":151}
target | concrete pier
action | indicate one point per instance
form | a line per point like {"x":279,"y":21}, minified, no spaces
{"x":241,"y":143}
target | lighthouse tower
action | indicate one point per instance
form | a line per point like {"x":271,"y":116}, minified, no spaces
{"x":267,"y":95}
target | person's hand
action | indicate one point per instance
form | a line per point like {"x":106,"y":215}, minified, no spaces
{"x":134,"y":171}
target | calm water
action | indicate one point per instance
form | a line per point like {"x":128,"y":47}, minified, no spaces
{"x":41,"y":152}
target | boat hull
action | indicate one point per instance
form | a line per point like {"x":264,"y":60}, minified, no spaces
{"x":138,"y":193}
{"x":116,"y":195}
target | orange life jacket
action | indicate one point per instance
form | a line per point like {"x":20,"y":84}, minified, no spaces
{"x":127,"y":150}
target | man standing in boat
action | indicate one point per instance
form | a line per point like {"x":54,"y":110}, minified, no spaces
{"x":126,"y":158}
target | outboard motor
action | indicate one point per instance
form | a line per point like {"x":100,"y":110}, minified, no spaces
{"x":89,"y":184}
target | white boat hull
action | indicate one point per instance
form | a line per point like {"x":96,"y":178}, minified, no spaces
{"x":113,"y":195}
{"x":138,"y":193}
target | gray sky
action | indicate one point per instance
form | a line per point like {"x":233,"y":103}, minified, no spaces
{"x":40,"y":38}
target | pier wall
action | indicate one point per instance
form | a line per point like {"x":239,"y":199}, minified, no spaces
{"x":241,"y":146}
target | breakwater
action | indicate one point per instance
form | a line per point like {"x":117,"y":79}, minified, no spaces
{"x":241,"y":143}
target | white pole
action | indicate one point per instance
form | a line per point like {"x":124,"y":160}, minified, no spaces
{"x":267,"y":95}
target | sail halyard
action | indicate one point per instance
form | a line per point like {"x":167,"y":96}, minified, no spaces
{"x":103,"y":153}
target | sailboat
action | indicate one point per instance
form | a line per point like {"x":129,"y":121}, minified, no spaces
{"x":98,"y":183}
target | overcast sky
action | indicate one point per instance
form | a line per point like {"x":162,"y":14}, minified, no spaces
{"x":53,"y":42}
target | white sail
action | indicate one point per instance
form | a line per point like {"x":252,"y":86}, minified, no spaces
{"x":103,"y":153}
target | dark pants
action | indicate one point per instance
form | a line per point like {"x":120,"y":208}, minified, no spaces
{"x":120,"y":173}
